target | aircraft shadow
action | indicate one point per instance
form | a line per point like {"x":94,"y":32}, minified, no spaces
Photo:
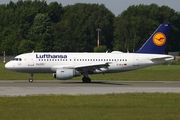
{"x":95,"y":83}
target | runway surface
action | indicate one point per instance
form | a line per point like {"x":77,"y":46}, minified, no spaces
{"x":24,"y":88}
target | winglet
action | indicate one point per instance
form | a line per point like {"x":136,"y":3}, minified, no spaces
{"x":157,"y":41}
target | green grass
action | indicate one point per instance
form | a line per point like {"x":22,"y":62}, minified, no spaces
{"x":154,"y":73}
{"x":131,"y":106}
{"x":136,"y":106}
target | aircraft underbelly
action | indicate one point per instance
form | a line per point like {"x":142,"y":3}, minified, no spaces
{"x":34,"y":70}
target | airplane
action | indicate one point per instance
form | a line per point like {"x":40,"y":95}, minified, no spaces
{"x":66,"y":65}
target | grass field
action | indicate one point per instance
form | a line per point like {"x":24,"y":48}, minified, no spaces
{"x":130,"y":106}
{"x":154,"y":73}
{"x":136,"y":106}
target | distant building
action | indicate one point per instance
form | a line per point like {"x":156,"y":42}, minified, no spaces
{"x":174,"y":53}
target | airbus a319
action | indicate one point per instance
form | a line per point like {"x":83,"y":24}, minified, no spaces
{"x":66,"y":65}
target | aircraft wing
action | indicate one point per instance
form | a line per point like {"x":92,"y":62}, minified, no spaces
{"x":93,"y":68}
{"x":93,"y":65}
{"x":82,"y":68}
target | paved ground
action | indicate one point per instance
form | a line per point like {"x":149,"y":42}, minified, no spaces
{"x":23,"y":87}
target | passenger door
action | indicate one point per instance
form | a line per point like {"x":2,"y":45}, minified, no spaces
{"x":31,"y":60}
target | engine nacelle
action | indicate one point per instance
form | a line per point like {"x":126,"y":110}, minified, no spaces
{"x":65,"y":74}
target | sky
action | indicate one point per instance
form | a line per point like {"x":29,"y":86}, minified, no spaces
{"x":116,"y":6}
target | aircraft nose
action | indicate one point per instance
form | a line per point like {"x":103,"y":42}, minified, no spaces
{"x":8,"y":66}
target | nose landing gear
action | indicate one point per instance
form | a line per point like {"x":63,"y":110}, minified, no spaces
{"x":31,"y":78}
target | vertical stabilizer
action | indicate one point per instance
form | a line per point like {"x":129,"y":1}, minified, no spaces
{"x":157,"y":41}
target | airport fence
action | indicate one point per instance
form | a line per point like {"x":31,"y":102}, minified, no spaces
{"x":7,"y":58}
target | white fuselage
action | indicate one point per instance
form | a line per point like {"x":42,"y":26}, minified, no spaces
{"x":117,"y":61}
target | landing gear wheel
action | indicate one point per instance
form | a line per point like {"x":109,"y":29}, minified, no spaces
{"x":30,"y":80}
{"x":86,"y":80}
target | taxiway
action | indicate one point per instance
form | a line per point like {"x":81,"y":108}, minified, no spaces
{"x":55,"y":87}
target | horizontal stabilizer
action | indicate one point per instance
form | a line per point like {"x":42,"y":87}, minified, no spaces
{"x":166,"y":58}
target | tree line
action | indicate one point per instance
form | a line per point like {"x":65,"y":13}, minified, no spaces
{"x":29,"y":25}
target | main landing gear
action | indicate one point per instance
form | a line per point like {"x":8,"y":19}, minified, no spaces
{"x":31,"y":78}
{"x":86,"y":79}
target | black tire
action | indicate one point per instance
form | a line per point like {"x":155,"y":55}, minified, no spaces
{"x":31,"y":80}
{"x":86,"y":80}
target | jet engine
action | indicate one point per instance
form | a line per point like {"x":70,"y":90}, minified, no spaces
{"x":65,"y":74}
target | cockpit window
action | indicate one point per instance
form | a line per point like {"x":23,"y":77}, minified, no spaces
{"x":17,"y":59}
